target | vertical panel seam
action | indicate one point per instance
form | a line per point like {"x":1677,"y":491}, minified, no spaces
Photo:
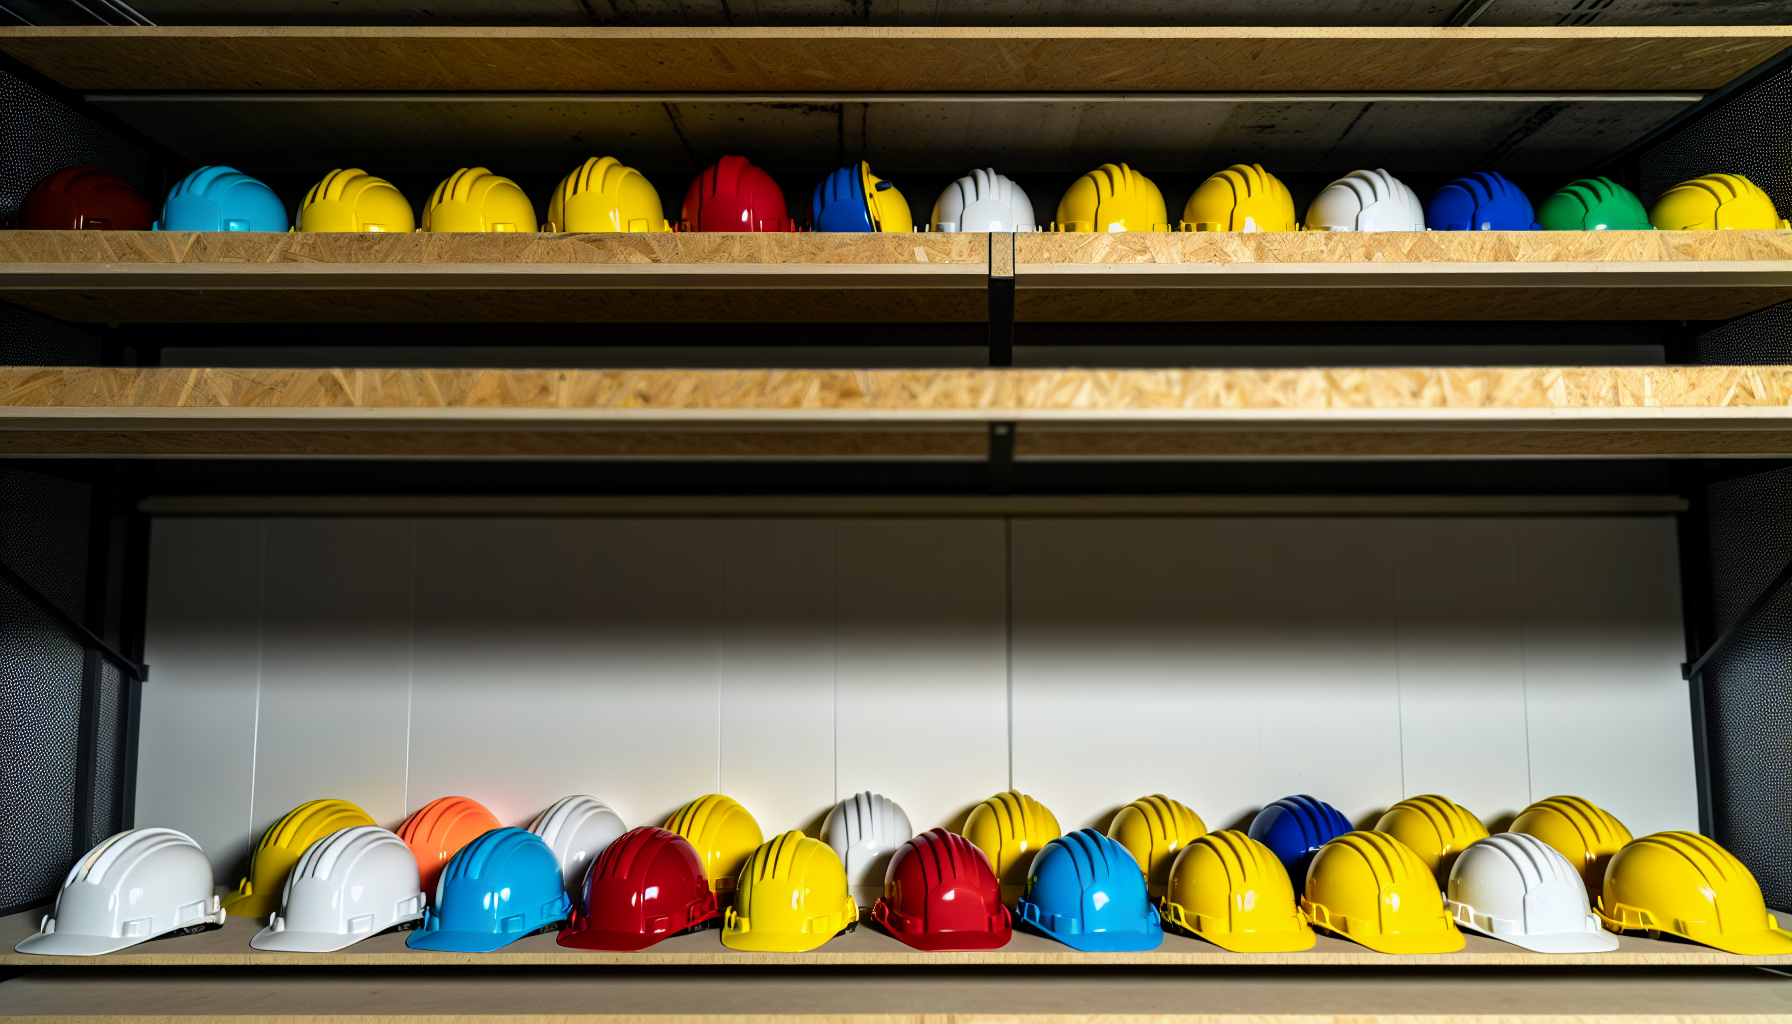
{"x":1524,"y":661}
{"x":261,"y":633}
{"x":834,"y":528}
{"x":1008,"y":633}
{"x":1399,"y":657}
{"x":410,"y":685}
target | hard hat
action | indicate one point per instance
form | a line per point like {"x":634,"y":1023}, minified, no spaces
{"x":983,"y":201}
{"x":577,"y":828}
{"x":1366,"y":201}
{"x":1518,"y":889}
{"x":1593,"y":204}
{"x":1243,"y":197}
{"x":475,"y":199}
{"x":864,"y":829}
{"x":84,"y":199}
{"x":258,"y":895}
{"x":354,"y":200}
{"x":134,"y":886}
{"x":603,"y":195}
{"x":1112,"y":198}
{"x":941,"y":894}
{"x":1369,"y":888}
{"x":439,"y":829}
{"x":1482,"y":201}
{"x":792,"y":897}
{"x":1579,"y":831}
{"x":645,"y":886}
{"x":221,"y":199}
{"x":1434,"y":828}
{"x":854,"y":199}
{"x":1685,"y":884}
{"x":733,"y":195}
{"x":1087,"y":892}
{"x":1010,"y":828}
{"x":724,"y":834}
{"x":1720,"y":201}
{"x":349,"y":885}
{"x":1154,"y":829}
{"x":497,"y":889}
{"x":1231,"y":890}
{"x":1294,"y":828}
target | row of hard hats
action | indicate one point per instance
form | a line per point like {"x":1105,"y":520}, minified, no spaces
{"x":325,"y":876}
{"x":734,"y":195}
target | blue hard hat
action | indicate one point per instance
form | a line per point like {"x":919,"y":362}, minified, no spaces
{"x":1482,"y":201}
{"x":222,"y":199}
{"x":839,"y":202}
{"x":1087,"y":891}
{"x":497,"y":889}
{"x":1294,"y":828}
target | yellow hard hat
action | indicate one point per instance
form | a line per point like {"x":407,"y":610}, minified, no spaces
{"x":1154,"y":829}
{"x":1685,"y":884}
{"x":1231,"y":890}
{"x":475,"y":199}
{"x":603,"y":195}
{"x":1369,"y":888}
{"x":889,"y":210}
{"x":792,"y":897}
{"x":1243,"y":197}
{"x":1112,"y":198}
{"x":1434,"y":828}
{"x":1585,"y":834}
{"x":280,"y":848}
{"x":724,"y":834}
{"x":1720,"y":201}
{"x":354,"y":200}
{"x":1010,"y":828}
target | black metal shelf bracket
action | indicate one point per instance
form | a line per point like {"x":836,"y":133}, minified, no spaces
{"x":87,"y":637}
{"x":1001,"y":298}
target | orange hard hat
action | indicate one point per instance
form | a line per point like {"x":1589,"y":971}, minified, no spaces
{"x":439,"y":829}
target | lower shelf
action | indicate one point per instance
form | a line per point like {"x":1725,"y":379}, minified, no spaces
{"x":866,"y":946}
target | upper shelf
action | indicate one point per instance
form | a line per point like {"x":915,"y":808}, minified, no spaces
{"x":895,"y":59}
{"x":182,"y":277}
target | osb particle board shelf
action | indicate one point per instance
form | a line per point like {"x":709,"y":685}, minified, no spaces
{"x":186,"y":277}
{"x":1609,"y":411}
{"x":867,"y":946}
{"x":886,"y":59}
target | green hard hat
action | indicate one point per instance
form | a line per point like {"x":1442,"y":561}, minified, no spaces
{"x":1593,"y":204}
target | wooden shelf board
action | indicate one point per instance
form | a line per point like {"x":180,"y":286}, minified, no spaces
{"x":859,"y":58}
{"x":1353,"y":412}
{"x":867,"y":946}
{"x":923,"y":277}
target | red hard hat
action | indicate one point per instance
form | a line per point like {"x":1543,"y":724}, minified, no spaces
{"x":84,"y":199}
{"x":645,"y":886}
{"x":733,"y":195}
{"x":941,"y":894}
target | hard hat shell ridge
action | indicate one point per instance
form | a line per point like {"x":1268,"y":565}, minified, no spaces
{"x":1294,"y":828}
{"x":647,"y":885}
{"x":134,"y":886}
{"x":577,"y":828}
{"x":353,"y":200}
{"x":218,"y":198}
{"x":1010,"y":828}
{"x":1685,"y":884}
{"x":1518,"y":889}
{"x":1087,"y":892}
{"x":1580,"y":831}
{"x":438,"y":830}
{"x":722,"y":832}
{"x":941,"y":894}
{"x":604,"y":195}
{"x":1231,"y":890}
{"x":1435,"y":828}
{"x":1482,"y":201}
{"x":854,"y":199}
{"x":348,"y":886}
{"x":475,"y":199}
{"x":865,"y":829}
{"x":792,"y":898}
{"x":84,"y":199}
{"x":1720,"y":202}
{"x":1593,"y":204}
{"x":1112,"y":197}
{"x":498,"y":888}
{"x":1243,"y":197}
{"x":983,"y":201}
{"x":733,"y":195}
{"x":1369,"y":888}
{"x":1366,"y":200}
{"x":1154,"y":829}
{"x":258,"y":894}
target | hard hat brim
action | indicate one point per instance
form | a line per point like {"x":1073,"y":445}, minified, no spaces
{"x":1601,"y":941}
{"x":1111,"y":942}
{"x":445,"y":941}
{"x":1262,"y":942}
{"x":773,"y":942}
{"x":953,"y":941}
{"x":290,"y":941}
{"x":72,"y":944}
{"x":1407,"y":943}
{"x":619,"y":942}
{"x":1766,"y":942}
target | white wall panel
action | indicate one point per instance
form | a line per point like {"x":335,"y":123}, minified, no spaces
{"x":923,"y":664}
{"x":558,"y":656}
{"x":196,"y":741}
{"x":1462,"y":678}
{"x":335,"y":666}
{"x":1222,"y":662}
{"x":1608,"y":711}
{"x":777,"y":671}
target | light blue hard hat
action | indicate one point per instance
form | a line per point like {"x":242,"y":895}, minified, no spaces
{"x":1087,"y":891}
{"x":222,"y":199}
{"x":500,"y":887}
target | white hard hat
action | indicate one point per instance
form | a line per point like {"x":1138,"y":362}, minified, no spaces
{"x":351,"y":884}
{"x":577,"y":829}
{"x":983,"y":201}
{"x":1519,"y":889}
{"x":1366,"y":201}
{"x":132,"y":887}
{"x":864,"y":829}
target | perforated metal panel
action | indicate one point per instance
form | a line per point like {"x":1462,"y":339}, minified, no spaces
{"x":1759,"y":339}
{"x":40,"y":715}
{"x":1747,"y":135}
{"x":31,"y":339}
{"x":39,"y":134}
